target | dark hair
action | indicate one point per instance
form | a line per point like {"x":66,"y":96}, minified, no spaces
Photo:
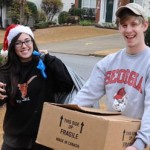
{"x":13,"y":67}
{"x":127,"y":14}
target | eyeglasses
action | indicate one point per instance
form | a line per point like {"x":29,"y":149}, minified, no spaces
{"x":26,"y":42}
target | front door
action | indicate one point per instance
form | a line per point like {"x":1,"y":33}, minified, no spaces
{"x":109,"y":10}
{"x":79,"y":3}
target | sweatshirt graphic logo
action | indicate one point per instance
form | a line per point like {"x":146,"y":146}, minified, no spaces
{"x":24,"y":88}
{"x":120,"y":100}
{"x":125,"y":76}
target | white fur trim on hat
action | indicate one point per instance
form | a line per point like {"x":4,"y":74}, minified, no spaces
{"x":18,"y":29}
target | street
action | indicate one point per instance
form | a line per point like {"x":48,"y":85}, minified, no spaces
{"x":85,"y":46}
{"x":83,"y":65}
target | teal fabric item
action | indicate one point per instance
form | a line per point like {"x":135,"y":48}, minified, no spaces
{"x":41,"y":66}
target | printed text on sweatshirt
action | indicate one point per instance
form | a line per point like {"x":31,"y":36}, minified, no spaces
{"x":125,"y":76}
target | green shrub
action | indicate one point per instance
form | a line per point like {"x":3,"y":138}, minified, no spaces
{"x":149,"y":19}
{"x":41,"y":25}
{"x":41,"y":16}
{"x":76,"y":12}
{"x":2,"y":59}
{"x":86,"y":22}
{"x":51,"y":22}
{"x":1,"y":46}
{"x":34,"y":11}
{"x":63,"y":17}
{"x":147,"y":37}
{"x":89,"y":13}
{"x":73,"y":19}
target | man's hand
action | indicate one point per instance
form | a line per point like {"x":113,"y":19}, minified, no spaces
{"x":131,"y":148}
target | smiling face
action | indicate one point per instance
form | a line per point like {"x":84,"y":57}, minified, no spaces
{"x":24,"y":47}
{"x":132,"y":31}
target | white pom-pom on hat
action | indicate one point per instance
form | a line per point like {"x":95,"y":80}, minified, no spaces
{"x":11,"y":32}
{"x":4,"y":53}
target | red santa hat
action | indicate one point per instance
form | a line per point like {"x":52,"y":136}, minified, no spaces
{"x":11,"y":32}
{"x":120,"y":94}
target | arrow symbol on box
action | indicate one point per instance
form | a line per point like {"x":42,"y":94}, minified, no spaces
{"x":124,"y":132}
{"x":61,"y":119}
{"x":82,"y":125}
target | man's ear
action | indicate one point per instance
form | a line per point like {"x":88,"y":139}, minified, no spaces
{"x":119,"y":26}
{"x":146,"y":24}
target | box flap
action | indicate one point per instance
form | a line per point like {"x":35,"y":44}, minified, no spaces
{"x":86,"y":109}
{"x":107,"y":115}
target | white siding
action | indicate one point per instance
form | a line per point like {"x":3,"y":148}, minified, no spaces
{"x":102,"y":11}
{"x":4,"y":17}
{"x":146,"y":5}
{"x":67,"y":4}
{"x":140,"y":2}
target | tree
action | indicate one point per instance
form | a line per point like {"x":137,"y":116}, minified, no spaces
{"x":34,"y":11}
{"x":51,"y":8}
{"x":17,"y":14}
{"x":22,"y":3}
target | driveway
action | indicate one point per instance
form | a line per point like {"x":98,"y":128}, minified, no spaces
{"x":86,"y":46}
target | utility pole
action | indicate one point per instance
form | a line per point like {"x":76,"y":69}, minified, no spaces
{"x":22,"y":2}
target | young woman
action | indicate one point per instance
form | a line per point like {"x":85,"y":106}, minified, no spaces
{"x":26,"y":81}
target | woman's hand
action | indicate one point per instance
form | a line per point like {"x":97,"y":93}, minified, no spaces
{"x":2,"y":91}
{"x":45,"y":51}
{"x":131,"y":148}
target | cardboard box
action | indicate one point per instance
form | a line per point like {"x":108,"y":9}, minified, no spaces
{"x":69,"y":127}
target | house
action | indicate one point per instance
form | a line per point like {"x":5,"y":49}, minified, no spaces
{"x":5,"y":20}
{"x":105,"y":9}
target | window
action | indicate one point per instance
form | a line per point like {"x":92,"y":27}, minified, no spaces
{"x":89,"y":3}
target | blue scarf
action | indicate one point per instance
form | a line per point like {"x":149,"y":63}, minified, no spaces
{"x":41,"y":66}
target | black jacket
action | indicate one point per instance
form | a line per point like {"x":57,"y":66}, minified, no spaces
{"x":22,"y":120}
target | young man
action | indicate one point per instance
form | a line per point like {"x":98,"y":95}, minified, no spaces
{"x":125,"y":76}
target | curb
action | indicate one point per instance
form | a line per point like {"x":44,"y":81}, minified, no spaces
{"x":103,"y":53}
{"x":100,"y":53}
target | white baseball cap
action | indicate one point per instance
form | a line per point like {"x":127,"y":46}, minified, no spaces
{"x":135,"y":8}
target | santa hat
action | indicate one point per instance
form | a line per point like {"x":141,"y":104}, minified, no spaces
{"x":120,"y":94}
{"x":11,"y":32}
